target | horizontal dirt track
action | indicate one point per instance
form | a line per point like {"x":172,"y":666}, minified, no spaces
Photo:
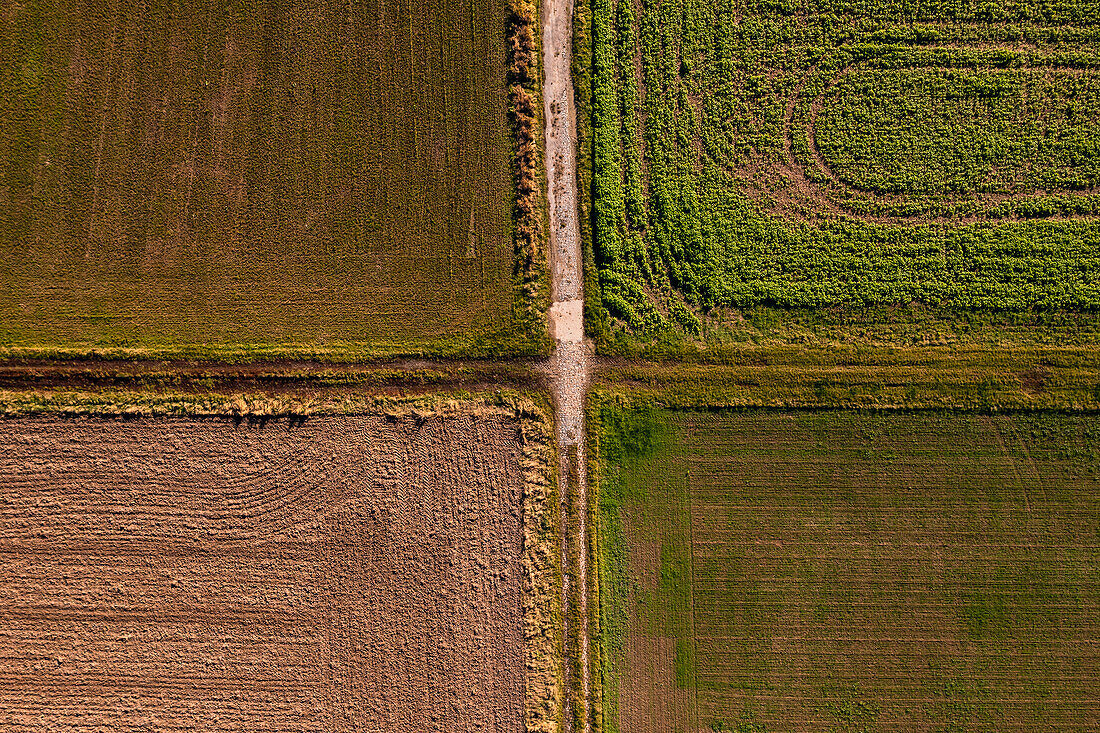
{"x":399,"y":377}
{"x":344,"y":573}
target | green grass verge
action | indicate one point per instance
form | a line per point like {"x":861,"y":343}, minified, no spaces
{"x":846,"y":570}
{"x":863,"y":377}
{"x":629,"y":449}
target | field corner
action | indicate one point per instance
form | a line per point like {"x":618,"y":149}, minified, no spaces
{"x":543,"y":662}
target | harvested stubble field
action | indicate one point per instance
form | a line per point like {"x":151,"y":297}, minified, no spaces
{"x":341,"y":573}
{"x":844,"y":571}
{"x":310,"y":176}
{"x":843,"y":155}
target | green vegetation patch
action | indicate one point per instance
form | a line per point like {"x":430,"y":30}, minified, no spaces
{"x":839,"y":155}
{"x":844,"y":571}
{"x":957,"y":131}
{"x":290,"y":178}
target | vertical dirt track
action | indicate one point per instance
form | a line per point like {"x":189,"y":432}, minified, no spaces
{"x":569,"y":364}
{"x":348,"y":573}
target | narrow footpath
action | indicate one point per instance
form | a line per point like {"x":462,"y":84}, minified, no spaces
{"x":569,"y":364}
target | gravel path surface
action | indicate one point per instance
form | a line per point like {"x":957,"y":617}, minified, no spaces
{"x":569,"y":364}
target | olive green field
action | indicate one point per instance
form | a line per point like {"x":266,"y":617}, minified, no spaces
{"x":241,"y":180}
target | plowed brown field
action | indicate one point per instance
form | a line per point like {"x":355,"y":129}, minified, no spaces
{"x":346,"y":573}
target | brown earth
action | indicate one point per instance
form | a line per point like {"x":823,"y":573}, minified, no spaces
{"x":651,"y":699}
{"x":342,"y":573}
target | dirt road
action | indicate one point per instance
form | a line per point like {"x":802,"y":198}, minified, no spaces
{"x":569,"y":365}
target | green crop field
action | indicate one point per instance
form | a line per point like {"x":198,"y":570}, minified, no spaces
{"x":847,"y":571}
{"x":304,"y":178}
{"x":827,"y":154}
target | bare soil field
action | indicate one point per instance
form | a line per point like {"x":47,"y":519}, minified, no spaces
{"x":337,"y":573}
{"x":847,"y":571}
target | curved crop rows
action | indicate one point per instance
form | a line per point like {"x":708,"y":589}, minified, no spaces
{"x":842,"y":154}
{"x":343,"y":574}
